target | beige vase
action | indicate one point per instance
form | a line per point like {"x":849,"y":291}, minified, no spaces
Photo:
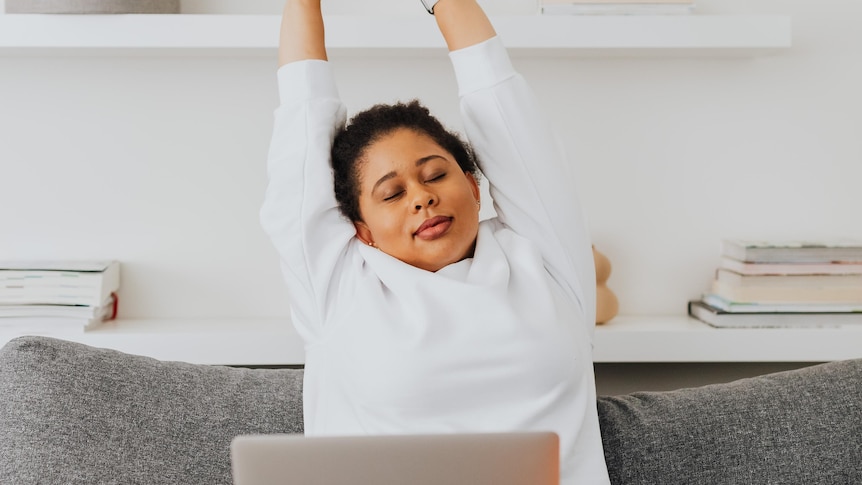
{"x":607,"y":304}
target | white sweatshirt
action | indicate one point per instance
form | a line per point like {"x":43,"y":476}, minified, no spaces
{"x":498,"y":342}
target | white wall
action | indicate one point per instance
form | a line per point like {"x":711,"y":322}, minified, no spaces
{"x":159,"y":162}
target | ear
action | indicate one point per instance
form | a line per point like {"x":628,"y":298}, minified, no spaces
{"x":363,"y":233}
{"x":474,"y":185}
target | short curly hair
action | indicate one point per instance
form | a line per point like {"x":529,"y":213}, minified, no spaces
{"x":369,"y":126}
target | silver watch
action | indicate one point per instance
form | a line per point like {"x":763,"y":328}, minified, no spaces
{"x":429,"y":5}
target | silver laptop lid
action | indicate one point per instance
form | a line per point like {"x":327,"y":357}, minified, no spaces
{"x":453,"y":459}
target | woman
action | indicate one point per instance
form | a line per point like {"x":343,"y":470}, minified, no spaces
{"x":416,"y":317}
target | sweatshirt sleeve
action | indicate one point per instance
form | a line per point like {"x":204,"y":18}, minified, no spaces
{"x":300,"y":213}
{"x":526,"y":166}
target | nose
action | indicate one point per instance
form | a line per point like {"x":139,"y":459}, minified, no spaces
{"x":424,"y":199}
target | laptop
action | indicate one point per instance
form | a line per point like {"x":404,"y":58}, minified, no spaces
{"x":452,"y":459}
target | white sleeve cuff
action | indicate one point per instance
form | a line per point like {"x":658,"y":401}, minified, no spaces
{"x":304,"y":80}
{"x":481,"y":65}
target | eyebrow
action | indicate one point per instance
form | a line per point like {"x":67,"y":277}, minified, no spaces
{"x":392,"y":174}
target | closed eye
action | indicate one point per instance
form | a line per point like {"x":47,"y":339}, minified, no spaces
{"x":437,"y":177}
{"x":393,"y":196}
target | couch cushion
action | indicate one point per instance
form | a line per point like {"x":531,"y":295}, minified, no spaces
{"x":76,"y":414}
{"x":800,"y":427}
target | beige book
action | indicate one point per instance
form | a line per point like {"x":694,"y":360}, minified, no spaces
{"x":761,"y":294}
{"x":617,"y":2}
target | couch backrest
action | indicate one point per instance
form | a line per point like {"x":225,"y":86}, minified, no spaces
{"x":76,"y":414}
{"x":797,"y":427}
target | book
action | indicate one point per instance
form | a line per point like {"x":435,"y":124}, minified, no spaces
{"x":809,"y":281}
{"x":56,"y":265}
{"x":729,"y":306}
{"x":807,"y":295}
{"x":43,"y":317}
{"x":617,"y":7}
{"x":838,"y":251}
{"x":616,"y":2}
{"x":106,"y":311}
{"x":721,"y":319}
{"x":84,"y":283}
{"x":744,"y":268}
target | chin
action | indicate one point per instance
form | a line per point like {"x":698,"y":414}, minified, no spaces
{"x":446,"y":261}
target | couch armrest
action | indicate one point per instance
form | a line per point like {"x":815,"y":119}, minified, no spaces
{"x":801,"y":426}
{"x":70,"y":413}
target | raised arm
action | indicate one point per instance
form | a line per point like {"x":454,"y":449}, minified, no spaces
{"x":525,"y":164}
{"x":463,"y":23}
{"x":299,"y":212}
{"x":301,"y":32}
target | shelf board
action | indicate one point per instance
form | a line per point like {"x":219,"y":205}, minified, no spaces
{"x":527,"y":35}
{"x":255,"y":341}
{"x":623,"y":339}
{"x":684,"y":339}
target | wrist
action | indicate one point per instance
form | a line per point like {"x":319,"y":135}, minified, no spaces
{"x":429,"y":5}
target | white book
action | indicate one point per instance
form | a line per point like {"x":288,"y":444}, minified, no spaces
{"x":729,"y":306}
{"x":39,"y":318}
{"x":617,"y":7}
{"x":102,"y":312}
{"x":58,"y":282}
{"x":718,"y":318}
{"x":57,"y":265}
{"x":744,"y":268}
{"x":795,"y":252}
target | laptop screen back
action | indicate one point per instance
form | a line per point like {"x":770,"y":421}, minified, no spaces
{"x":454,"y":459}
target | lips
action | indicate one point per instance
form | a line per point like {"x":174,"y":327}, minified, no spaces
{"x":433,"y":228}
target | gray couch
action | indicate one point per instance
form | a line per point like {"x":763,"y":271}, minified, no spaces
{"x":75,"y":414}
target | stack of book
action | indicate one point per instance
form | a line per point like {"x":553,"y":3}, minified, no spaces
{"x":617,"y":7}
{"x":49,"y":295}
{"x":770,"y":284}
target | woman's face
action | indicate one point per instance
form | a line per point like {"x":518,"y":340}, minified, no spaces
{"x":417,"y":204}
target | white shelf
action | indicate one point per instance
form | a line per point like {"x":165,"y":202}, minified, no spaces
{"x":199,"y":341}
{"x":684,"y":339}
{"x":624,"y":339}
{"x":533,"y":35}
